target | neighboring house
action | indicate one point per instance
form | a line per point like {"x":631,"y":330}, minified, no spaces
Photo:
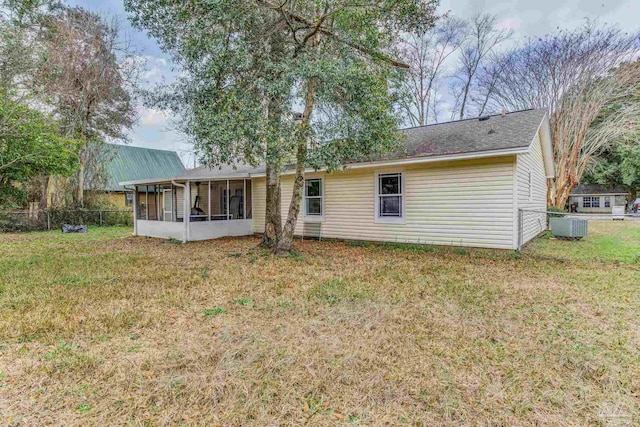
{"x":134,"y":163}
{"x":596,"y":198}
{"x":460,"y":183}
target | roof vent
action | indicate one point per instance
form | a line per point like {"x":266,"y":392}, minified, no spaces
{"x":492,"y":130}
{"x":503,"y":113}
{"x":483,"y":118}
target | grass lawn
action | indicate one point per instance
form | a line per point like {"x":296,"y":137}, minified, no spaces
{"x":612,"y":241}
{"x":109,"y":329}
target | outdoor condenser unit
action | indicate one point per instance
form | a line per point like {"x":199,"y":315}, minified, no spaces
{"x":568,"y":228}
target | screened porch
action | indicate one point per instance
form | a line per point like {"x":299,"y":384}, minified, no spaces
{"x":194,"y":210}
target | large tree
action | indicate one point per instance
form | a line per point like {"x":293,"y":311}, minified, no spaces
{"x":86,"y":75}
{"x":427,"y":53}
{"x":30,"y":146}
{"x":575,"y":75}
{"x":484,"y":35}
{"x":248,"y":65}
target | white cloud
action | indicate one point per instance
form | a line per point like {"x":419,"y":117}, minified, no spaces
{"x":153,"y":117}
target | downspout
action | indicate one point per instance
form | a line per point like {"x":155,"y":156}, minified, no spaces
{"x":185,"y":207}
{"x":135,"y":208}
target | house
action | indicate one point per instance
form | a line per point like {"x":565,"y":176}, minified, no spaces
{"x":459,"y":183}
{"x":135,"y":163}
{"x":596,"y":198}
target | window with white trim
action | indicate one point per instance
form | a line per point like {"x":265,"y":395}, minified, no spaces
{"x":389,"y":189}
{"x":607,"y":201}
{"x":590,"y":202}
{"x":313,"y":197}
{"x":128,"y":198}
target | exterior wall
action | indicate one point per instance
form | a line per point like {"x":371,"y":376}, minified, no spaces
{"x":616,"y":200}
{"x":531,"y":193}
{"x":214,"y":229}
{"x":162,"y":229}
{"x":459,"y":203}
{"x":117,"y":200}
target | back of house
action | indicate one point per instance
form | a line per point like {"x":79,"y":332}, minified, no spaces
{"x":461,"y":183}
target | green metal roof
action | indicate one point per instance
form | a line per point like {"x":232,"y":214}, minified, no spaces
{"x":133,"y":163}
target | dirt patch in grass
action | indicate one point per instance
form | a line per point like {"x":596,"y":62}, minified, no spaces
{"x":124,"y":330}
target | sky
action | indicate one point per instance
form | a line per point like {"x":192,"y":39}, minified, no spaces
{"x":526,"y":18}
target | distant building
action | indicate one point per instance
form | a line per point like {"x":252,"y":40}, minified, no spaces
{"x":596,"y":198}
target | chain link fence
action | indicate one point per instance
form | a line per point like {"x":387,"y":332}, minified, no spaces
{"x":51,"y":219}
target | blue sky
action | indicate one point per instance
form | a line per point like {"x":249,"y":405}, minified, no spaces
{"x":525,"y":17}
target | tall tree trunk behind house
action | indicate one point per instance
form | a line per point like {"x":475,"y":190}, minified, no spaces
{"x":285,"y":244}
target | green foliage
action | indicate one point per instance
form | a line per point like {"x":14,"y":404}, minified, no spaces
{"x":242,"y":80}
{"x":30,"y":145}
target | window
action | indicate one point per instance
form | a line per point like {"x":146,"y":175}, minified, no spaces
{"x":313,"y":194}
{"x":591,"y":202}
{"x":607,"y":202}
{"x":389,"y":197}
{"x":128,"y":198}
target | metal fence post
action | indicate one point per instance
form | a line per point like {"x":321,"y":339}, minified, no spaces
{"x":520,"y":222}
{"x":101,"y":224}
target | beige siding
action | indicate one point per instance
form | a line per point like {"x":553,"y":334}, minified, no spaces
{"x":461,"y":203}
{"x":534,"y":198}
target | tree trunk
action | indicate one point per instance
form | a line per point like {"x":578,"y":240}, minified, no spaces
{"x":79,"y":190}
{"x":465,"y":95}
{"x":273,"y":216}
{"x":43,"y":203}
{"x":285,"y":244}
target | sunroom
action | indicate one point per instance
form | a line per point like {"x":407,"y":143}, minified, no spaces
{"x":192,"y":209}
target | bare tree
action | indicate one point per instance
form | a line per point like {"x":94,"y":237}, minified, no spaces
{"x":575,"y":75}
{"x":426,"y":53}
{"x":484,"y":36}
{"x":86,"y":77}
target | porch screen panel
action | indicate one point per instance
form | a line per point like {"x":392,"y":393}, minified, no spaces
{"x":199,"y":204}
{"x":249,"y":207}
{"x":179,"y":203}
{"x":218,"y":200}
{"x":236,"y":202}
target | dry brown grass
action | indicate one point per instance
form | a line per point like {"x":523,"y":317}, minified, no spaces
{"x":107,"y":329}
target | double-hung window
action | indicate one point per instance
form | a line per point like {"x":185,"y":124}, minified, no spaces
{"x":389,"y":197}
{"x":607,"y":202}
{"x":313,"y":198}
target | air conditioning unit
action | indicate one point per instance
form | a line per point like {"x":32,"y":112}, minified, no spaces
{"x":568,"y":228}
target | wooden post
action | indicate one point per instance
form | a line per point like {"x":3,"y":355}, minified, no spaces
{"x":101,"y":223}
{"x":209,"y":203}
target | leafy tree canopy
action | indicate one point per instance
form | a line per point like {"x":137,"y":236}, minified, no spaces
{"x":237,"y":56}
{"x":30,"y":145}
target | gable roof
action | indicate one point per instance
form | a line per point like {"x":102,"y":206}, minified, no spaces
{"x":511,"y":133}
{"x":131,"y":163}
{"x":597,"y":189}
{"x":497,"y":132}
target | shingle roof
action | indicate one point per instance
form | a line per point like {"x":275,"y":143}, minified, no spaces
{"x":134,"y":163}
{"x":513,"y":130}
{"x":597,"y":189}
